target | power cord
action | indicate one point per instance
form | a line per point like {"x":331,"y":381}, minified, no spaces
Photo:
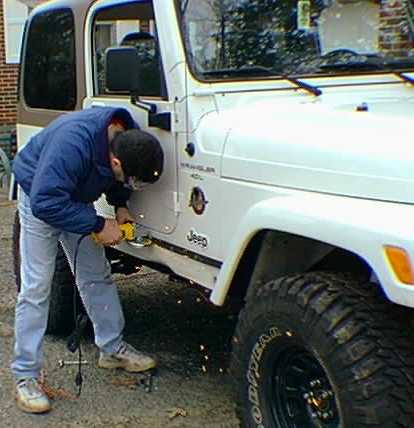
{"x":74,"y":340}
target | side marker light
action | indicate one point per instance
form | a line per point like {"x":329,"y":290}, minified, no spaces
{"x":400,"y":263}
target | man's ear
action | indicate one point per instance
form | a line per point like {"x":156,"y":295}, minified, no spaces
{"x":115,"y":162}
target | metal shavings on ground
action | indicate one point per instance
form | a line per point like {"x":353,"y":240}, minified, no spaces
{"x":129,"y":382}
{"x":144,"y":380}
{"x":173,"y":413}
{"x":54,"y":393}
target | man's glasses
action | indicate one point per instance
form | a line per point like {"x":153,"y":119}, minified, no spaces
{"x":133,"y":183}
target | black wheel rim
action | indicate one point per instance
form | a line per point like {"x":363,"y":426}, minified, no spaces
{"x":301,"y":394}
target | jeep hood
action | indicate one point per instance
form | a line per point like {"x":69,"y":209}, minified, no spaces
{"x":315,"y":147}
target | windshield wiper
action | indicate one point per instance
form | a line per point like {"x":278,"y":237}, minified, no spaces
{"x":244,"y":71}
{"x":258,"y":70}
{"x":306,"y":86}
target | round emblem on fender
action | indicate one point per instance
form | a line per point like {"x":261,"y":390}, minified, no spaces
{"x":198,"y":201}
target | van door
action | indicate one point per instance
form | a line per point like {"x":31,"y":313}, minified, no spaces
{"x":115,"y":24}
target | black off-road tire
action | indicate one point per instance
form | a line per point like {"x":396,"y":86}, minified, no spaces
{"x":61,"y":317}
{"x":321,"y":350}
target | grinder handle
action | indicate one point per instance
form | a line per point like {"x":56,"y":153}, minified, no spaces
{"x":127,"y":230}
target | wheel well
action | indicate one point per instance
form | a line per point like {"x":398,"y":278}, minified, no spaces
{"x":272,"y":254}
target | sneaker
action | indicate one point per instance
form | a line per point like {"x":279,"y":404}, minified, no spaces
{"x":128,"y":358}
{"x":30,"y":396}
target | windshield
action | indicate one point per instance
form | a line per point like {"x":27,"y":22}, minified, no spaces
{"x":259,"y":38}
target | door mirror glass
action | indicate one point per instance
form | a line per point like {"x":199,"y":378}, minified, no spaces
{"x":118,"y":65}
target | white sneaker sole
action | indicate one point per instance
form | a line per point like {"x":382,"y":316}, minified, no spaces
{"x":128,"y":367}
{"x":28,"y":409}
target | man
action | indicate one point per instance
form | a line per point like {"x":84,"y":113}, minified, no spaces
{"x":61,"y":172}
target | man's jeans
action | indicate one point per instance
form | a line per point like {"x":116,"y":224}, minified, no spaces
{"x":38,"y":248}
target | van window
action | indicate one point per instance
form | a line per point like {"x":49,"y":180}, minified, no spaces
{"x":131,"y":24}
{"x":49,"y":61}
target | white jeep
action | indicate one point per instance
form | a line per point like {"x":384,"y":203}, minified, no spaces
{"x":288,"y":184}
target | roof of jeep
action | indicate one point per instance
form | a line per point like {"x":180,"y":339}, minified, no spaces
{"x":39,"y":117}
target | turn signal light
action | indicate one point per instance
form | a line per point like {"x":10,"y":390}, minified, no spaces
{"x":400,"y":264}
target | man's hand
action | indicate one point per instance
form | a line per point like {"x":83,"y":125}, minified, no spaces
{"x":111,"y":233}
{"x":124,"y":216}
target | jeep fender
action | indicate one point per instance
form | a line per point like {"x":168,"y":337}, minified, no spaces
{"x":360,"y":226}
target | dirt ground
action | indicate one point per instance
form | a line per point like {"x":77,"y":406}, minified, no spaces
{"x":189,"y":337}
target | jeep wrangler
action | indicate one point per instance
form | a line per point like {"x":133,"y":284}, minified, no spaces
{"x":289,"y":181}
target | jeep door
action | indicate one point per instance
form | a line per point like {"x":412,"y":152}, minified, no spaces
{"x":132,"y":23}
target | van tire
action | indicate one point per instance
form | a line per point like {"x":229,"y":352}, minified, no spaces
{"x":61,"y":317}
{"x":317,"y":335}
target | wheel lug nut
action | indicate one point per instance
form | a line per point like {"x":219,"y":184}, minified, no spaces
{"x":309,"y":400}
{"x":306,"y":396}
{"x":324,"y":395}
{"x":325,"y":416}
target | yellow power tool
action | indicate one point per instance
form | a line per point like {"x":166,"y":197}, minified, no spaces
{"x":129,"y":234}
{"x":127,"y":230}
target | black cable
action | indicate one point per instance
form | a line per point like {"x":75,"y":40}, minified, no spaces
{"x":80,"y":322}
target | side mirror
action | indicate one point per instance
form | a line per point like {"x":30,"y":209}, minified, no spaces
{"x":119,"y":63}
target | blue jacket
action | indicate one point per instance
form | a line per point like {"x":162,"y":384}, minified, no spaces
{"x":65,"y":168}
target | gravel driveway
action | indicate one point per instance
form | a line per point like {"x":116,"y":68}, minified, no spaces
{"x":189,"y":337}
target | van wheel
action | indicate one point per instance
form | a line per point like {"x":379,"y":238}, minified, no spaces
{"x":61,"y":318}
{"x":320,"y":350}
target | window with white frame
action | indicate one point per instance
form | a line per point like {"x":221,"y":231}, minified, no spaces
{"x":15,"y":14}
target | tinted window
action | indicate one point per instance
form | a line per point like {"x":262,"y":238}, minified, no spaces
{"x":49,"y":63}
{"x":131,"y":24}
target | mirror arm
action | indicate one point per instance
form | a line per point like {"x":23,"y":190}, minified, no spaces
{"x":149,"y":107}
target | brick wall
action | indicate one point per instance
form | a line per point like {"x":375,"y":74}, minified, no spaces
{"x":8,"y":81}
{"x":394,"y":28}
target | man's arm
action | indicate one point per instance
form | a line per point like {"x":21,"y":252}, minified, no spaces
{"x":117,"y":195}
{"x":61,"y":169}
